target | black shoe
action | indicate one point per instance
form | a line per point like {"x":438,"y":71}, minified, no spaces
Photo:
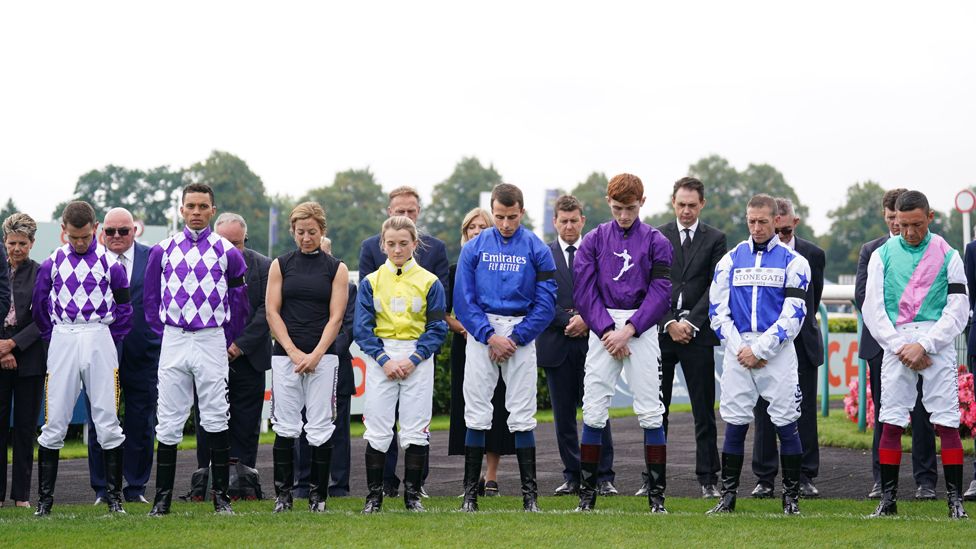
{"x":283,"y":460}
{"x":970,"y":494}
{"x":953,"y":480}
{"x":568,"y":488}
{"x":731,"y":471}
{"x":318,"y":483}
{"x":808,"y":490}
{"x":790,"y":466}
{"x":375,"y":460}
{"x":530,"y":489}
{"x":875,"y":492}
{"x":709,"y":491}
{"x":763,"y":490}
{"x":888,"y":506}
{"x":473,"y":456}
{"x":220,"y":472}
{"x":113,"y":479}
{"x":642,"y":491}
{"x":165,"y":474}
{"x":490,"y":488}
{"x":924,"y":493}
{"x":47,"y":476}
{"x":607,"y":489}
{"x":414,"y":458}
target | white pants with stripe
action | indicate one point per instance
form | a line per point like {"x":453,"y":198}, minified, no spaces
{"x":315,"y":391}
{"x":642,"y":370}
{"x":940,"y":384}
{"x":189,"y":360}
{"x":777,"y":382}
{"x":481,"y":377}
{"x":81,"y":355}
{"x":415,"y":395}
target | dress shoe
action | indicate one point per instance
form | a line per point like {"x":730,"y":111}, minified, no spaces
{"x":709,"y":491}
{"x":763,"y":490}
{"x":970,"y":494}
{"x":808,"y":490}
{"x":491,"y":488}
{"x":568,"y":488}
{"x":607,"y":489}
{"x":925,"y":493}
{"x":876,"y":492}
{"x":642,"y":492}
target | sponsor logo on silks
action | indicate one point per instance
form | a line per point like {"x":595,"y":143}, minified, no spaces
{"x":798,"y":397}
{"x":759,"y":276}
{"x":627,"y":264}
{"x":503,"y":262}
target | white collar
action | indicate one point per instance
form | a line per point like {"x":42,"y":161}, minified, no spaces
{"x":563,"y":244}
{"x":406,"y":266}
{"x":693,"y":228}
{"x":130,"y":254}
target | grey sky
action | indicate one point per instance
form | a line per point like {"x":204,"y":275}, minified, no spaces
{"x":829,"y":93}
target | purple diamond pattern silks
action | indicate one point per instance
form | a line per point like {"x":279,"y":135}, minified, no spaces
{"x":194,"y":286}
{"x":80,"y":291}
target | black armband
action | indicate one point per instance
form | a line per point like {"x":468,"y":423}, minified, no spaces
{"x":797,"y":293}
{"x":435,"y":316}
{"x":235,"y":282}
{"x":660,"y":271}
{"x":542,"y":276}
{"x":957,"y":288}
{"x":121,"y":296}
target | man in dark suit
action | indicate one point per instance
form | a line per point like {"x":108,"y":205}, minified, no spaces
{"x":249,"y":355}
{"x":138,"y":363}
{"x":970,"y":262}
{"x":810,"y":355}
{"x":686,"y":336}
{"x":431,"y":255}
{"x":561,"y":351}
{"x":924,"y":464}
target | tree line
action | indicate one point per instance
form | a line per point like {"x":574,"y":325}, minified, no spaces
{"x":355,"y":203}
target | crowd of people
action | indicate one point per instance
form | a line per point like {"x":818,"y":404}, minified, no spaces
{"x":193,"y":323}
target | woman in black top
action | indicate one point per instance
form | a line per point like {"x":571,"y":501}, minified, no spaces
{"x":307,"y":293}
{"x":499,"y":441}
{"x":23,"y":360}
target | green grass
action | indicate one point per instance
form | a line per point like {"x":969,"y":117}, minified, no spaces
{"x":621,"y":521}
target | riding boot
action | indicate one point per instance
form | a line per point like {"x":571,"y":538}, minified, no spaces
{"x":375,"y":461}
{"x":318,"y":485}
{"x":165,"y":475}
{"x":731,"y":471}
{"x":953,"y":479}
{"x":589,"y":466}
{"x":113,"y":479}
{"x":283,"y":456}
{"x":414,"y":458}
{"x":473,"y":456}
{"x":888,"y":505}
{"x":47,"y":476}
{"x":220,"y":472}
{"x":790,"y":465}
{"x":530,"y":490}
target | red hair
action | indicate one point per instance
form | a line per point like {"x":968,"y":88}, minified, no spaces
{"x":625,"y":188}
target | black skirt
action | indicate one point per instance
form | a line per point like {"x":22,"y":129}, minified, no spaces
{"x":499,"y":439}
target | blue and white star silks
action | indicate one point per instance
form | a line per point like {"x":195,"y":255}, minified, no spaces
{"x":803,"y":281}
{"x":781,"y":334}
{"x":799,"y":312}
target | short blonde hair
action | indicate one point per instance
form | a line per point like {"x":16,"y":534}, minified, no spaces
{"x":308,"y":210}
{"x":396,"y":223}
{"x":469,"y":217}
{"x":19,"y":223}
{"x":403,"y":191}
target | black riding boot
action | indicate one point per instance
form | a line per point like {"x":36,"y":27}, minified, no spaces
{"x":655,"y":459}
{"x":414,"y":458}
{"x":889,"y":491}
{"x":318,"y":485}
{"x":953,"y":479}
{"x":220,"y":472}
{"x":530,"y":490}
{"x":731,"y":471}
{"x":283,"y":456}
{"x":113,"y":479}
{"x":165,"y":475}
{"x":375,"y":460}
{"x":47,"y":476}
{"x":790,"y":465}
{"x":473,"y":456}
{"x":589,"y":466}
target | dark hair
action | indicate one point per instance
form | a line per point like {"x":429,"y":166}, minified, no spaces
{"x":690,"y":183}
{"x":763,"y":201}
{"x":890,"y":197}
{"x":78,"y":214}
{"x":567,"y":203}
{"x":198,"y":188}
{"x":625,"y":188}
{"x":507,"y":195}
{"x":911,"y":200}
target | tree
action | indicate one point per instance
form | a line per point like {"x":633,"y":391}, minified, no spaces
{"x":282,"y":204}
{"x":456,"y":196}
{"x":147,"y":194}
{"x":9,"y":209}
{"x":355,"y":207}
{"x":236,"y":189}
{"x":859,"y":220}
{"x":592,"y":194}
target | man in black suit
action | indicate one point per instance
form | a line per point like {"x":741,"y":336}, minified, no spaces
{"x":431,"y":255}
{"x":924,"y":464}
{"x":970,"y":262}
{"x":810,"y":355}
{"x":686,"y":336}
{"x":562,"y":350}
{"x":138,"y":363}
{"x":249,"y":355}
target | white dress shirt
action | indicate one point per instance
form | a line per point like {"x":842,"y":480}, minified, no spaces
{"x":127,"y":259}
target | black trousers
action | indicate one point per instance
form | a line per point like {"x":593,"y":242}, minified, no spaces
{"x":566,"y":393}
{"x":924,"y":463}
{"x":698,"y":366}
{"x":246,"y":392}
{"x":341,"y":454}
{"x":765,"y":453}
{"x":22,"y":396}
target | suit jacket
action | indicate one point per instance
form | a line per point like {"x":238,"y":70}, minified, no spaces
{"x":431,"y":255}
{"x":345,"y":382}
{"x":868,"y":348}
{"x":255,"y":339}
{"x":31,"y":351}
{"x":553,"y":345}
{"x":691,"y":277}
{"x":970,"y":262}
{"x":140,"y":347}
{"x":4,"y":283}
{"x":809,"y":342}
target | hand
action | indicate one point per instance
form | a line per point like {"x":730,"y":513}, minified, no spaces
{"x":914,"y":357}
{"x":296,"y":357}
{"x":748,"y":360}
{"x":8,"y":362}
{"x":311,"y":362}
{"x":500,"y":348}
{"x":407,"y":367}
{"x":233,"y":352}
{"x":6,"y":345}
{"x":392,"y":370}
{"x":576,"y":327}
{"x":615,"y":341}
{"x":681,"y":332}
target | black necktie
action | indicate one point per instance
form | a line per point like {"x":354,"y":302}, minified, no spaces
{"x":399,"y":271}
{"x":571,"y":250}
{"x":686,"y":245}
